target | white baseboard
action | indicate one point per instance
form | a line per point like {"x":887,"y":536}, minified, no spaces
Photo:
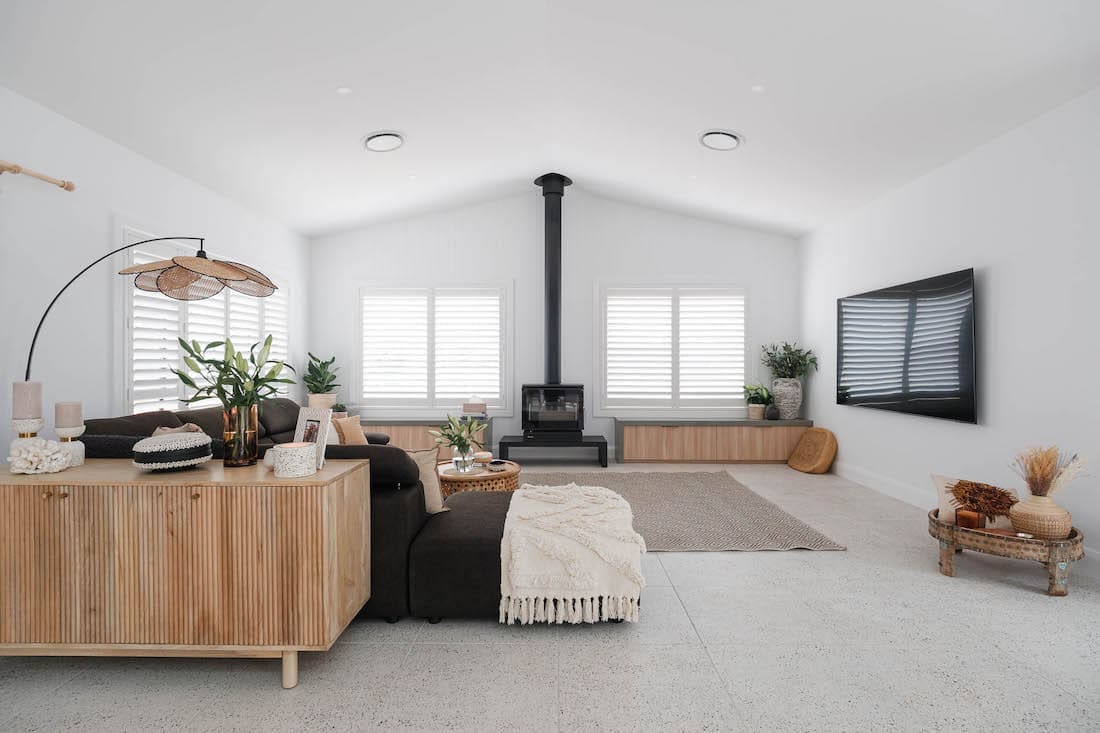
{"x":1088,"y":566}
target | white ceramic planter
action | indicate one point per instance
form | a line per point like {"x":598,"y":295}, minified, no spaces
{"x":321,"y":401}
{"x":756,"y":412}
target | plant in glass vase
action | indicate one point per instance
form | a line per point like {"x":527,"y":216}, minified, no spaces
{"x":788,"y":363}
{"x":239,"y":383}
{"x":461,"y":435}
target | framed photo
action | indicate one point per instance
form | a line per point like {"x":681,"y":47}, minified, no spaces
{"x":313,"y":426}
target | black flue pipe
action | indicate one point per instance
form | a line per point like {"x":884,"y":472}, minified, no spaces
{"x":553,"y":188}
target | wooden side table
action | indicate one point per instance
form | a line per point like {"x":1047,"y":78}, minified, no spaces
{"x":477,"y":479}
{"x":1057,"y":555}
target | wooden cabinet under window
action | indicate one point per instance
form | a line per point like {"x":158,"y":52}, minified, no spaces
{"x":413,"y":435}
{"x":735,"y":441}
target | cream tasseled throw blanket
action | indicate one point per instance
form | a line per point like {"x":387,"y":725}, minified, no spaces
{"x":569,"y":555}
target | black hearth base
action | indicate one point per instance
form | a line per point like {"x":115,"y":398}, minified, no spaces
{"x":589,"y":441}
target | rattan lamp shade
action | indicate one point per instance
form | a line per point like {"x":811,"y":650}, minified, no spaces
{"x":196,"y":278}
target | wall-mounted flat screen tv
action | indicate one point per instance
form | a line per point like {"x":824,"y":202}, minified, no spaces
{"x":910,"y":348}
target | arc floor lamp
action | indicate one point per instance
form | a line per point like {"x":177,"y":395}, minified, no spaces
{"x":179,"y":278}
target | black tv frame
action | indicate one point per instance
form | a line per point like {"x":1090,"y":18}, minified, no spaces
{"x":895,"y":403}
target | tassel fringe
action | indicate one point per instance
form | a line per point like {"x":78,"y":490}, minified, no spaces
{"x":588,"y":610}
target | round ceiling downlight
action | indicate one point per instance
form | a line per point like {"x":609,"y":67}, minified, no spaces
{"x":383,"y":141}
{"x":720,"y":140}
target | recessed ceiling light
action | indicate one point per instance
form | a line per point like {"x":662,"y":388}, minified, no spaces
{"x":343,"y":91}
{"x":720,"y":139}
{"x":758,"y":88}
{"x":383,"y":141}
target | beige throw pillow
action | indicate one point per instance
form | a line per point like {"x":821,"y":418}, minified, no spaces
{"x":426,"y":461}
{"x":350,"y":430}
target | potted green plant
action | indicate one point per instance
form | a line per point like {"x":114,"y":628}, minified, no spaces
{"x":339,"y":410}
{"x":758,"y":397}
{"x":239,"y":383}
{"x":461,"y":436}
{"x":320,"y":381}
{"x":788,"y":363}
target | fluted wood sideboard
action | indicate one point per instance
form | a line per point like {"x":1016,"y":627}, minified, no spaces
{"x":103,"y":559}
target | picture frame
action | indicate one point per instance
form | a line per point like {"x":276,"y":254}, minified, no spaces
{"x":313,"y":426}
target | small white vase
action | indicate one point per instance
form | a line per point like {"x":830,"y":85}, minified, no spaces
{"x":788,"y":397}
{"x":321,"y":401}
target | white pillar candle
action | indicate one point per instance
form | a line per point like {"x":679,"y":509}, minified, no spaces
{"x":68,"y":415}
{"x":26,"y":400}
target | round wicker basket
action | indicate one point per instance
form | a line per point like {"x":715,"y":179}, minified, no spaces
{"x":478,"y":479}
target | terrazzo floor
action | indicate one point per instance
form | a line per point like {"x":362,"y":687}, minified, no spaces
{"x":872,"y":639}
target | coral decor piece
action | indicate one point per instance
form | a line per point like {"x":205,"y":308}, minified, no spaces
{"x":984,"y":499}
{"x":37,"y":455}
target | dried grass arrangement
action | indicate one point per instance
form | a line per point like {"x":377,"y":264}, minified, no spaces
{"x":1046,"y":471}
{"x":985,"y":499}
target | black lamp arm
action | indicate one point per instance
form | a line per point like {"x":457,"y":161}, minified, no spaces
{"x":30,"y":355}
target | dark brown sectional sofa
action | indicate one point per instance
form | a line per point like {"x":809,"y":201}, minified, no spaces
{"x":432,"y":566}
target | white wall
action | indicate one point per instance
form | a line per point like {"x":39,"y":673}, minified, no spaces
{"x":603,"y":241}
{"x":47,"y":235}
{"x":1023,"y":211}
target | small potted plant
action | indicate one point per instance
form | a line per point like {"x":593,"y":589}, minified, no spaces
{"x":788,"y":363}
{"x":239,"y":383}
{"x":339,"y":410}
{"x":758,"y":397}
{"x":320,"y":381}
{"x":461,"y":435}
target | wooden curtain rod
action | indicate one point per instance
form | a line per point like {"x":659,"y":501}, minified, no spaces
{"x":6,"y":167}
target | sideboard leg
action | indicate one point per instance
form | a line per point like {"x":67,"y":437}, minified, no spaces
{"x":947,"y":558}
{"x":290,"y":669}
{"x":1058,"y":577}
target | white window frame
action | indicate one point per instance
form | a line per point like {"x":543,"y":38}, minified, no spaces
{"x":734,"y":408}
{"x":431,"y":408}
{"x":124,"y":388}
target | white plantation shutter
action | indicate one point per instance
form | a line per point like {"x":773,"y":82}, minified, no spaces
{"x":874,"y":339}
{"x":155,"y":325}
{"x":673,"y":347}
{"x":712,"y":347}
{"x":276,"y":321}
{"x":468,"y":345}
{"x":433,"y":348}
{"x":639,"y":347}
{"x":395,"y":347}
{"x":157,"y":321}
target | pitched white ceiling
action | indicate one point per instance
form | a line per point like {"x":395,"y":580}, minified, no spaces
{"x":860,"y":95}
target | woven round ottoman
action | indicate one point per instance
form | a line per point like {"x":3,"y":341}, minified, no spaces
{"x":477,"y":479}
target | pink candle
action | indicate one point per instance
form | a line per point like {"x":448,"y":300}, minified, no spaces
{"x":68,"y":415}
{"x":26,"y":400}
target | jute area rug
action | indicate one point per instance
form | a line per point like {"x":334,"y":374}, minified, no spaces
{"x":698,"y":511}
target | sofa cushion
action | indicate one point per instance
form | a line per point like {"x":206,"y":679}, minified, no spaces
{"x":122,"y":446}
{"x":454,"y":563}
{"x":279,"y":416}
{"x":389,"y":465}
{"x":142,"y":424}
{"x":378,"y":438}
{"x":208,"y":418}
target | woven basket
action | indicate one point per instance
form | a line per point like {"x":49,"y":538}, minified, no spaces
{"x":479,"y":479}
{"x":1040,"y":516}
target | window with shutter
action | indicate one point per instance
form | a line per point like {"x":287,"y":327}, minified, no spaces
{"x":673,"y":347}
{"x":433,"y":347}
{"x":157,"y":321}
